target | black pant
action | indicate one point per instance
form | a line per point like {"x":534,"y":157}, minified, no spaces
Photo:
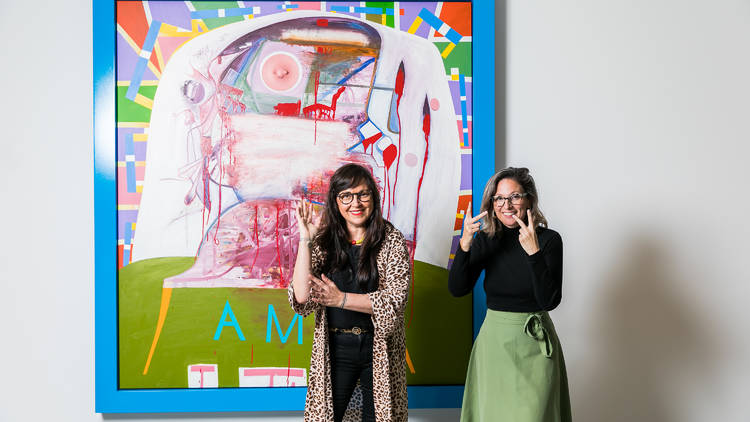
{"x":351,"y":360}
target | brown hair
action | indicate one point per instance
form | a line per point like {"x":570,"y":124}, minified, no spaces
{"x":333,"y":236}
{"x":492,"y":226}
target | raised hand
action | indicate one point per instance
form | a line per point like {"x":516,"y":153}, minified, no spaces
{"x":471,"y":226}
{"x":527,"y":234}
{"x":325,"y":292}
{"x":305,"y":220}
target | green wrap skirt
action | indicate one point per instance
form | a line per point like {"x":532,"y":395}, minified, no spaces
{"x":516,"y":371}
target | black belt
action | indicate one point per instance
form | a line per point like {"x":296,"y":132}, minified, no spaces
{"x":354,"y":330}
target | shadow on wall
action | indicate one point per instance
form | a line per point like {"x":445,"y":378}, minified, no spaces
{"x":648,"y":345}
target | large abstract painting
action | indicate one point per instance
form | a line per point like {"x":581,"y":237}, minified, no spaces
{"x":227,"y":114}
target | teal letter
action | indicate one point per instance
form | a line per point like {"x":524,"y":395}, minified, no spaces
{"x":233,"y":323}
{"x":273,"y":318}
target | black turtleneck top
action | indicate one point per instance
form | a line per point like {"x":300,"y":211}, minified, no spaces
{"x":514,"y":280}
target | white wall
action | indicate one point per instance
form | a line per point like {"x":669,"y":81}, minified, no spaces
{"x":631,"y":115}
{"x":46,"y":257}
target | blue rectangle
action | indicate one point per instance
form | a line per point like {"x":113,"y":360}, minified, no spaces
{"x":214,"y":13}
{"x":153,"y":32}
{"x":483,"y":152}
{"x":135,"y":81}
{"x":453,"y":36}
{"x":204,"y":14}
{"x":140,"y":67}
{"x":369,"y":10}
{"x":462,"y":91}
{"x":130,"y":165}
{"x":339,"y":9}
{"x":128,"y":236}
{"x":431,"y":19}
{"x":129,"y":144}
{"x":109,"y":398}
{"x":239,"y":11}
{"x":130,"y":174}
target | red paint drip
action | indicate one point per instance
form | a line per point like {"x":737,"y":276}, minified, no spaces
{"x":389,"y":155}
{"x":322,"y":111}
{"x":399,"y":90}
{"x":288,"y":368}
{"x":385,"y":178}
{"x":278,"y":250}
{"x":371,"y":140}
{"x":426,"y":130}
{"x":257,"y":241}
{"x":288,"y":109}
{"x":218,"y":213}
{"x":315,"y":124}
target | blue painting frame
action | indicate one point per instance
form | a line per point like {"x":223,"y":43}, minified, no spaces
{"x":110,"y":399}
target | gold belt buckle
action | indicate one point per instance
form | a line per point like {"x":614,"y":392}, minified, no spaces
{"x":356,"y":331}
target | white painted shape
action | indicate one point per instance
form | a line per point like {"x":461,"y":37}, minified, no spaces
{"x":169,"y":227}
{"x":368,"y":129}
{"x":203,"y":376}
{"x":438,"y":199}
{"x":383,"y":143}
{"x":325,"y":36}
{"x":276,"y":153}
{"x":262,"y":376}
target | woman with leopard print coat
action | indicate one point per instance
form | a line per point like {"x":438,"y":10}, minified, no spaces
{"x":354,"y":274}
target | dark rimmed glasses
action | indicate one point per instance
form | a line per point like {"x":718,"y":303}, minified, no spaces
{"x":515,"y":199}
{"x":348,"y":197}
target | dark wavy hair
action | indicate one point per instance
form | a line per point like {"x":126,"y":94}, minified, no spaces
{"x":333,"y":236}
{"x":522,"y":176}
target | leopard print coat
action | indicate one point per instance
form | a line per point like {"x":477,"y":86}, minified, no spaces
{"x":389,"y":344}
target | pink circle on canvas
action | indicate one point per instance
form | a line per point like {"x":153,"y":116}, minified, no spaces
{"x":434,"y":104}
{"x":280,"y":72}
{"x":410,"y":159}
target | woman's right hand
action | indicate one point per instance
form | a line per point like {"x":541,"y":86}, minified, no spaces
{"x":305,"y":220}
{"x":471,"y":226}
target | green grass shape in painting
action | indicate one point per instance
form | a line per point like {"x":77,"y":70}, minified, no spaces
{"x":130,"y":111}
{"x":213,"y":23}
{"x":438,"y":337}
{"x":190,"y":325}
{"x":460,"y":57}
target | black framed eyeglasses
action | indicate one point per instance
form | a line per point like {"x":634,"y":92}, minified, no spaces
{"x":515,"y":199}
{"x":348,"y":197}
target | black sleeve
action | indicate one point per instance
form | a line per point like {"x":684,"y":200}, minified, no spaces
{"x":467,"y":266}
{"x":546,"y":272}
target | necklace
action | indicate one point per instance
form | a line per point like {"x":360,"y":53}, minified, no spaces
{"x":358,"y":242}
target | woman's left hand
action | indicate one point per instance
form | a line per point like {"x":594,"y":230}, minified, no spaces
{"x":325,"y":292}
{"x":527,"y":234}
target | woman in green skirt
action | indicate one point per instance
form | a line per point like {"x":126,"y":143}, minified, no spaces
{"x":516,"y":370}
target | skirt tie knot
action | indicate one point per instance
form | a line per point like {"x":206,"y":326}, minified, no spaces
{"x":534,"y":328}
